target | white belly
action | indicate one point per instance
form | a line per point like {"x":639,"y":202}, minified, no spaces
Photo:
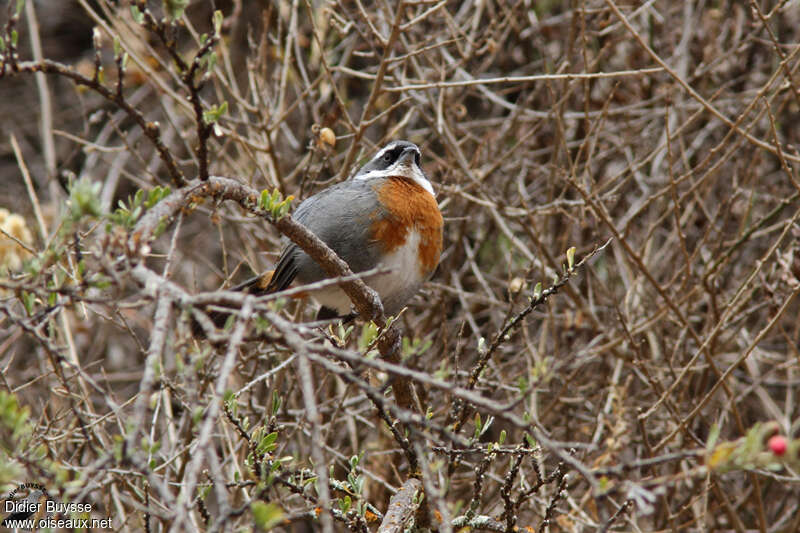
{"x":395,"y":287}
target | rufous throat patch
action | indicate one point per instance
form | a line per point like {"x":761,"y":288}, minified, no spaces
{"x":410,"y":207}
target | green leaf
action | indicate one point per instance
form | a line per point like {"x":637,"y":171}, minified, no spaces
{"x":175,"y":8}
{"x":345,"y":503}
{"x":29,"y":301}
{"x":100,"y":281}
{"x":537,"y":291}
{"x":368,"y":334}
{"x":84,"y":198}
{"x":155,"y":195}
{"x":197,"y":415}
{"x":530,"y":440}
{"x":360,"y":484}
{"x":211,"y":61}
{"x":267,"y":443}
{"x":713,"y":436}
{"x":215,"y":113}
{"x":266,"y":515}
{"x":571,"y":257}
{"x":282,"y":208}
{"x":218,"y":19}
{"x":276,"y":402}
{"x":152,"y":197}
{"x":14,"y":424}
{"x":137,"y":15}
{"x":482,"y":345}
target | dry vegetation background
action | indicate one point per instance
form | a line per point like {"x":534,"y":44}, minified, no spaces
{"x":639,"y":396}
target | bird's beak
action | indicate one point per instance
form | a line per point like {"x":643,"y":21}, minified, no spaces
{"x":410,"y":155}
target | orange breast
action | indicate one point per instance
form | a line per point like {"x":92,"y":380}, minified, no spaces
{"x":410,"y":208}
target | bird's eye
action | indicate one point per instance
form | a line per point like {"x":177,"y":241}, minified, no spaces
{"x":388,"y":157}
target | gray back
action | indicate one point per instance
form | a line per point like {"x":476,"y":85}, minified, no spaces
{"x":341,"y":216}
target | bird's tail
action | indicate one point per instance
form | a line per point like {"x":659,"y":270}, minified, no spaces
{"x":257,"y":286}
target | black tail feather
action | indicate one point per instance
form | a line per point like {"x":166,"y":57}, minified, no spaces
{"x":326,"y":313}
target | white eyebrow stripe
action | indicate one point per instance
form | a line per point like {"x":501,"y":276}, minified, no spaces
{"x":388,"y":148}
{"x":372,"y":174}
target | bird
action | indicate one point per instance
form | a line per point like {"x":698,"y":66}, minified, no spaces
{"x":32,"y":506}
{"x":385,"y":215}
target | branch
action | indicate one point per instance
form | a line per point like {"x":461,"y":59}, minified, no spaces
{"x":150,"y":129}
{"x":364,"y":298}
{"x":402,"y":507}
{"x":366,"y":301}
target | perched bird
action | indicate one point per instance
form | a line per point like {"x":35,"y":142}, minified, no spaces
{"x":31,"y":508}
{"x":386,"y":215}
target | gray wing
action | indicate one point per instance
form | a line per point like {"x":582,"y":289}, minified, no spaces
{"x":341,"y":217}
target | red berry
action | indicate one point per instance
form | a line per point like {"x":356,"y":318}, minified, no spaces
{"x":777,"y":444}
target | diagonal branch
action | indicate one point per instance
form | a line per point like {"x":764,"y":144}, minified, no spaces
{"x":366,"y":301}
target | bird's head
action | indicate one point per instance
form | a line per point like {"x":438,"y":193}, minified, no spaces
{"x":396,"y":159}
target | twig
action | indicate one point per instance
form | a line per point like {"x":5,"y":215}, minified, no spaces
{"x":151,"y":129}
{"x":46,"y":126}
{"x":37,"y":209}
{"x":459,"y":413}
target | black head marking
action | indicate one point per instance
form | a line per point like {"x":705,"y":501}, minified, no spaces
{"x":396,"y":159}
{"x":389,"y":155}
